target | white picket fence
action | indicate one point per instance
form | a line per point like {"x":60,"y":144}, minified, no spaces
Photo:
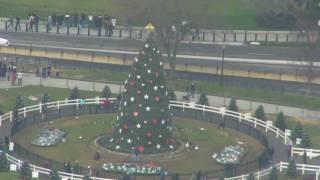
{"x":184,"y":105}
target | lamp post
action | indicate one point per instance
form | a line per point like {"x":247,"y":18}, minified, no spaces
{"x":222,"y":65}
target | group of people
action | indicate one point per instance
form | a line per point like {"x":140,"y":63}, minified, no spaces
{"x":33,"y":21}
{"x":45,"y":71}
{"x":14,"y":23}
{"x":13,"y":75}
{"x":75,"y":20}
{"x":190,"y":92}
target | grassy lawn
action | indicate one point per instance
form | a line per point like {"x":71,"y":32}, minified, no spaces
{"x":238,"y":14}
{"x":8,"y":96}
{"x":9,"y":176}
{"x":259,"y":95}
{"x":210,"y":140}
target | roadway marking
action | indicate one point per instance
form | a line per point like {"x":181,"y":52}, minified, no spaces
{"x":261,"y":54}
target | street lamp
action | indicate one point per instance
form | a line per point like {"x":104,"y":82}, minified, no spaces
{"x":222,"y":65}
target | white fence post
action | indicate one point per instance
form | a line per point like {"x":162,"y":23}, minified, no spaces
{"x":0,"y":121}
{"x":255,"y":122}
{"x":258,"y":177}
{"x":317,"y":175}
{"x":58,"y":105}
{"x":40,"y":109}
{"x":277,"y":133}
{"x":302,"y":169}
{"x":11,"y":116}
{"x":77,"y":103}
{"x":203,"y":109}
{"x":182,"y":106}
{"x":240,"y":117}
{"x":24,"y":112}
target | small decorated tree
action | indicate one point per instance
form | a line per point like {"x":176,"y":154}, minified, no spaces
{"x":3,"y":163}
{"x":259,"y":113}
{"x":273,"y":174}
{"x":106,"y":92}
{"x":292,"y":169}
{"x":74,"y":94}
{"x":297,"y":131}
{"x":203,"y":100}
{"x":306,"y":141}
{"x":25,"y":171}
{"x":233,"y":105}
{"x":54,"y":175}
{"x":280,"y":122}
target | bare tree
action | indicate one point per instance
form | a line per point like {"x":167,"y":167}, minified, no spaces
{"x":170,"y":19}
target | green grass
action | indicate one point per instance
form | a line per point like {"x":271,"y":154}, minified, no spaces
{"x":8,"y":96}
{"x":82,"y":150}
{"x":273,"y":97}
{"x":238,"y":14}
{"x":9,"y":176}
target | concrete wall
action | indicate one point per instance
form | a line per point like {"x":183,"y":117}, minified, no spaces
{"x":124,"y":60}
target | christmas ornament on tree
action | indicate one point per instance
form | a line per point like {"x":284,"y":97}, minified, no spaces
{"x":144,"y":118}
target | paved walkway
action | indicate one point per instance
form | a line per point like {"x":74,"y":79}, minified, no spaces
{"x":31,"y":79}
{"x":204,"y":36}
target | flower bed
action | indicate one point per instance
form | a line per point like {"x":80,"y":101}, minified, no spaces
{"x":230,"y":155}
{"x":49,"y":137}
{"x":128,"y":168}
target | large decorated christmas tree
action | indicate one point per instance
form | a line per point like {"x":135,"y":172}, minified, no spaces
{"x":143,"y":122}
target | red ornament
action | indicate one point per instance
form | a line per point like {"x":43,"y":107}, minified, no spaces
{"x":157,"y":74}
{"x":151,"y":81}
{"x":157,"y":98}
{"x":131,"y":83}
{"x":117,"y":141}
{"x":125,"y":126}
{"x":171,"y":141}
{"x":135,"y":114}
{"x":149,"y":134}
{"x":154,"y":121}
{"x":140,"y":149}
{"x":138,"y":92}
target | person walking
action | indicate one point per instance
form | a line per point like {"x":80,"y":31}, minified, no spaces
{"x":31,"y":21}
{"x":13,"y":78}
{"x":19,"y":78}
{"x":36,"y":22}
{"x":49,"y":23}
{"x":10,"y":22}
{"x":17,"y":27}
{"x":192,"y":89}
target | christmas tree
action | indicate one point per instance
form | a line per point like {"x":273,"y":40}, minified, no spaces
{"x":143,"y":123}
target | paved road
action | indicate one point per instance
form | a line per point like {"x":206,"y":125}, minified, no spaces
{"x":186,"y":48}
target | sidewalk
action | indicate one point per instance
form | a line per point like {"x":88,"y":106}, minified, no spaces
{"x":31,"y":79}
{"x":207,"y":36}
